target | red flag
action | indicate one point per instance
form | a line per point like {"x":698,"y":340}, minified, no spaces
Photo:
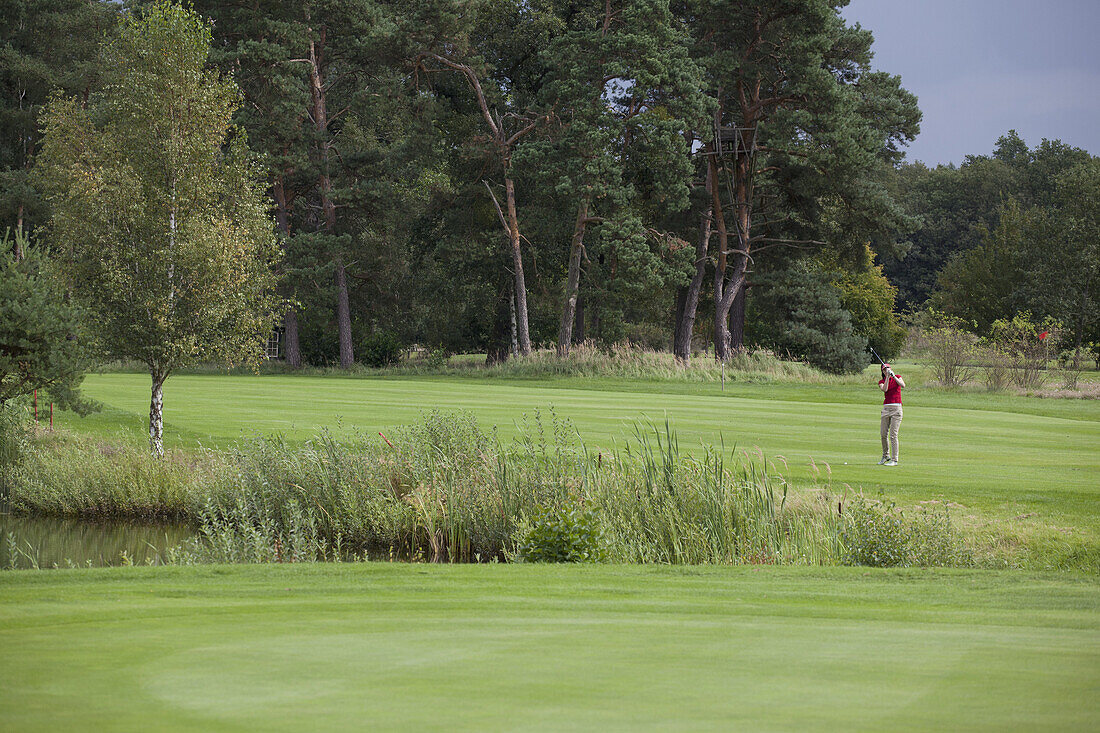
{"x":1043,"y":335}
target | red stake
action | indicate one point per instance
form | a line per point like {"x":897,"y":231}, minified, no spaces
{"x":385,"y":439}
{"x":51,"y":417}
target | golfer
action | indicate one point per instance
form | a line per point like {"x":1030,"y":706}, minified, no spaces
{"x":891,"y":385}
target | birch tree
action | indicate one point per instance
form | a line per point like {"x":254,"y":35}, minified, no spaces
{"x":160,"y":207}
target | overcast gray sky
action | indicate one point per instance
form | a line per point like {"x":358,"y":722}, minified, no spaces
{"x":983,"y":67}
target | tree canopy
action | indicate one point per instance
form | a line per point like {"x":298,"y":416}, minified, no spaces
{"x":158,"y":206}
{"x":497,"y":176}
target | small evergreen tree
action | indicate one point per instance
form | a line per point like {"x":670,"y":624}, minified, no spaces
{"x":42,"y":340}
{"x":798,"y":312}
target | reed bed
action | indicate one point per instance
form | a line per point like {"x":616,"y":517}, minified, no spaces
{"x":443,"y":490}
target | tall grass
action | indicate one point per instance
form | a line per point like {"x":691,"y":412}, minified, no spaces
{"x":622,"y":360}
{"x":444,"y":490}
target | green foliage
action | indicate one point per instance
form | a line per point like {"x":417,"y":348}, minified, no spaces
{"x":46,"y":46}
{"x":568,"y":533}
{"x":1029,"y":344}
{"x":948,"y":344}
{"x":16,"y":432}
{"x":962,"y":208}
{"x":879,"y":534}
{"x":869,"y":299}
{"x":798,"y":312}
{"x":380,"y":349}
{"x":1042,"y":255}
{"x":159,"y":205}
{"x":44,"y":343}
{"x":169,"y":233}
{"x":438,"y":359}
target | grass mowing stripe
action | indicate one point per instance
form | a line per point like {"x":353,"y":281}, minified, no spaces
{"x":528,"y":647}
{"x":984,"y":459}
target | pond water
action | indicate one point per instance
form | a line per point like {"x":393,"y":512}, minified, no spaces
{"x":46,"y":542}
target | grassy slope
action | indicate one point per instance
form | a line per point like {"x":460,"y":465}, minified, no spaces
{"x":539,"y":647}
{"x":986,"y":453}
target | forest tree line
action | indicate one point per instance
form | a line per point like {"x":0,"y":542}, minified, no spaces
{"x":495,"y":175}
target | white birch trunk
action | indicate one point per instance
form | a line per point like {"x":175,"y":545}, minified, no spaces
{"x":156,"y":416}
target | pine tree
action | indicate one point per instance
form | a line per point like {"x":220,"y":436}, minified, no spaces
{"x":624,"y":93}
{"x":44,"y":46}
{"x":799,"y":120}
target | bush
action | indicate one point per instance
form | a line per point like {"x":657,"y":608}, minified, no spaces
{"x":949,"y":346}
{"x":869,"y":298}
{"x":563,"y":534}
{"x":438,"y":359}
{"x":380,"y":349}
{"x":997,"y":367}
{"x":1071,"y":364}
{"x":1093,"y":348}
{"x":878,"y":534}
{"x":1030,"y":345}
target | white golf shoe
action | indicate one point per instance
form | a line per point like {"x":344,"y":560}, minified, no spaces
{"x":890,"y":463}
{"x":883,"y":461}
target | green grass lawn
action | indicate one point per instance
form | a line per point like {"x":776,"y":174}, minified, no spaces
{"x":1006,"y":454}
{"x":358,"y":647}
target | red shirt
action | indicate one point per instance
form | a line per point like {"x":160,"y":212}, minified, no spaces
{"x":893,"y":392}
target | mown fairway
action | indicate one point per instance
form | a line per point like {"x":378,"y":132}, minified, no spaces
{"x":1013,"y":454}
{"x":542,"y":647}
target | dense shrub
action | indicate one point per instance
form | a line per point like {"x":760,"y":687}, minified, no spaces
{"x":997,"y":367}
{"x":869,"y":299}
{"x":879,"y":534}
{"x":1071,"y":364}
{"x":561,"y":534}
{"x":380,"y":349}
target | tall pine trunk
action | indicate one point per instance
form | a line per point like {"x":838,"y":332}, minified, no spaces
{"x":572,"y":281}
{"x":523,"y":331}
{"x":293,"y":350}
{"x":729,"y":281}
{"x":685,"y":324}
{"x":737,"y":320}
{"x":324,"y":185}
{"x":721,"y":308}
{"x":293,"y":343}
{"x":343,"y":317}
{"x":578,"y":323}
